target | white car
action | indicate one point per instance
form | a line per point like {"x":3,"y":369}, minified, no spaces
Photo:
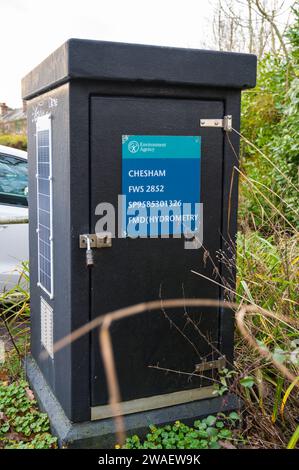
{"x":14,"y":245}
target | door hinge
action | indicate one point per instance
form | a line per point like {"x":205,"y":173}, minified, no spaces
{"x":208,"y":365}
{"x":226,"y":123}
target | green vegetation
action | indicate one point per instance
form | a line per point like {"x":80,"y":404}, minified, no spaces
{"x":17,"y":141}
{"x":213,"y":432}
{"x":268,"y":252}
{"x":270,"y":120}
{"x":22,"y":425}
{"x":14,"y":317}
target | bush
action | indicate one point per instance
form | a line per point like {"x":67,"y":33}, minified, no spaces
{"x":270,"y":119}
{"x":14,"y":140}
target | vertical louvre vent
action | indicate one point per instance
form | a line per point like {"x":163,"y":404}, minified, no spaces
{"x":46,"y":313}
{"x":44,"y":204}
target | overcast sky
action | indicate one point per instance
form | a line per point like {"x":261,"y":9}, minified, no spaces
{"x":32,"y":29}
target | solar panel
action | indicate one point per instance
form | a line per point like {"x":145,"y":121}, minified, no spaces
{"x":44,"y":204}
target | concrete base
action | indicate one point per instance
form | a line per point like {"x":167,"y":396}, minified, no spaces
{"x":101,"y":434}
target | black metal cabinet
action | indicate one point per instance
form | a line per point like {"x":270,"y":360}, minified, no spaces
{"x":94,"y":93}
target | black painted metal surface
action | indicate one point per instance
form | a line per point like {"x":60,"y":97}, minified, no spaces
{"x":134,"y":271}
{"x":101,"y":60}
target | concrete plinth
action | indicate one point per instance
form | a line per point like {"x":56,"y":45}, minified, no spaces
{"x":101,"y":434}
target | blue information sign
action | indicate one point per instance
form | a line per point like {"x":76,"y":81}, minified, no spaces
{"x":161,"y":183}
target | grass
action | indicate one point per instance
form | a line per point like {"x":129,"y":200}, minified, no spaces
{"x":268,"y":270}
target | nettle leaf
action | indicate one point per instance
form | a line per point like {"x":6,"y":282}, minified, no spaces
{"x":247,"y":381}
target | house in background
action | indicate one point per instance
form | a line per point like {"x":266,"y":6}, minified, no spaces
{"x":12,"y":121}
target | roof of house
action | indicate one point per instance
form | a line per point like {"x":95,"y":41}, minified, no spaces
{"x":13,"y":115}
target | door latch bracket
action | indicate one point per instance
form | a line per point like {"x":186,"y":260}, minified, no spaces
{"x":226,"y":123}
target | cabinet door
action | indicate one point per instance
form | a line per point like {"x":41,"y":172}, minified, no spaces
{"x":149,"y":268}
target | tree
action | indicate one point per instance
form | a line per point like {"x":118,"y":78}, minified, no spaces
{"x":254,"y":26}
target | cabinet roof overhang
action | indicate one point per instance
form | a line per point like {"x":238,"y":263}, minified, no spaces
{"x":101,"y":60}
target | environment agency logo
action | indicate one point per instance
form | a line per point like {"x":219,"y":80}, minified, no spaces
{"x":133,"y":146}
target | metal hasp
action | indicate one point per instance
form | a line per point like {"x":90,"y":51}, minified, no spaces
{"x":97,"y":240}
{"x":226,"y":123}
{"x":208,"y":365}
